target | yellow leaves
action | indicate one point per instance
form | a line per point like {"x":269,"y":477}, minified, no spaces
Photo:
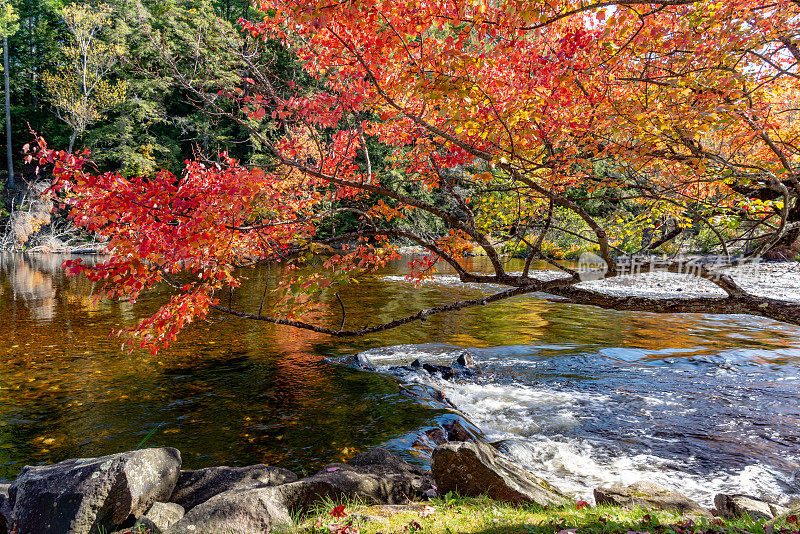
{"x":79,"y":88}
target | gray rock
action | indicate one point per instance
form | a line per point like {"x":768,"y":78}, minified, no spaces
{"x":375,"y":477}
{"x":244,"y":511}
{"x":473,"y":469}
{"x":427,"y":395}
{"x":197,"y":486}
{"x":732,"y":506}
{"x":159,"y":518}
{"x":466,"y":359}
{"x":647,"y":494}
{"x":356,"y":361}
{"x":86,"y":495}
{"x":5,"y":508}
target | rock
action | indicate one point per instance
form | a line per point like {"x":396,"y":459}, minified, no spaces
{"x":428,"y":395}
{"x":354,"y":361}
{"x":446,"y":371}
{"x":460,"y":429}
{"x":732,"y":506}
{"x":474,"y":469}
{"x":89,"y":494}
{"x":375,"y":477}
{"x":451,"y":427}
{"x":197,"y":486}
{"x":5,"y":508}
{"x":466,"y":359}
{"x":647,"y":494}
{"x":242,"y":511}
{"x":793,"y":509}
{"x":159,"y":517}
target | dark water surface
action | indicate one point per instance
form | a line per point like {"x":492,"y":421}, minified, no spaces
{"x":586,"y":396}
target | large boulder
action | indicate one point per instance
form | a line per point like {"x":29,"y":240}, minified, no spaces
{"x":374,"y":477}
{"x":197,"y":486}
{"x":732,"y":506}
{"x":242,"y":511}
{"x":88,"y":495}
{"x":647,"y":495}
{"x":473,"y":469}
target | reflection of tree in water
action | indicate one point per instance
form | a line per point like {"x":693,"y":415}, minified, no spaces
{"x":31,"y":283}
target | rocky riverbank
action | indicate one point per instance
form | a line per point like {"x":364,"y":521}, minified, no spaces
{"x":146,"y":491}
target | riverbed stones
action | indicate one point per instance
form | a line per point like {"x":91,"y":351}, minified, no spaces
{"x":474,"y":469}
{"x":83,"y":496}
{"x":197,"y":486}
{"x":732,"y":506}
{"x":647,"y":495}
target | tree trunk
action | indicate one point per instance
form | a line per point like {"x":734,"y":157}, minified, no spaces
{"x":72,"y":142}
{"x":9,"y":159}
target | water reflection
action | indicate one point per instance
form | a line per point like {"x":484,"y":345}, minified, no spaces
{"x":238,"y":392}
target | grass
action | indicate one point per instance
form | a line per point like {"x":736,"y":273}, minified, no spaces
{"x":457,"y":515}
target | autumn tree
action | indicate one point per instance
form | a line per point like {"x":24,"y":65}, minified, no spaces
{"x":79,"y":88}
{"x":504,"y":121}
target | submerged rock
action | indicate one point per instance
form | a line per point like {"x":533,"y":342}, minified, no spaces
{"x":647,"y":495}
{"x":197,"y":486}
{"x":354,"y":361}
{"x":474,"y":469}
{"x":732,"y":506}
{"x":462,"y":366}
{"x":428,"y":395}
{"x":86,"y":495}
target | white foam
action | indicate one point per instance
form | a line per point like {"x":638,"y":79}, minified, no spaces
{"x":536,"y":422}
{"x":538,"y":425}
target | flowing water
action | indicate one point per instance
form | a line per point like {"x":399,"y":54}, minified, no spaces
{"x":583,"y":396}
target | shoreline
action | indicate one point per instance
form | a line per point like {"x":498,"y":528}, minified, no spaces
{"x":145,"y":491}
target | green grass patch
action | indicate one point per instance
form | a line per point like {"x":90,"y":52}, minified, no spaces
{"x":456,"y":515}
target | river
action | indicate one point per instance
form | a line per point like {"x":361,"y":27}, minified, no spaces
{"x":582,"y":396}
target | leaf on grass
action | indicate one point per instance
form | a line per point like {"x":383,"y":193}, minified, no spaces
{"x":427,"y":511}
